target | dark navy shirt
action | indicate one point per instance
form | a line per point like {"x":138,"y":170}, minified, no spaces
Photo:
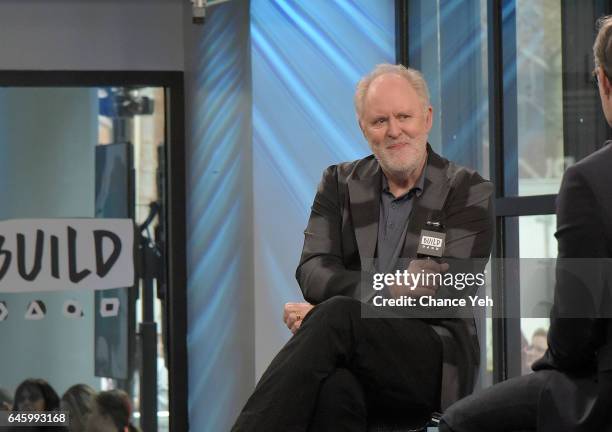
{"x":392,"y":222}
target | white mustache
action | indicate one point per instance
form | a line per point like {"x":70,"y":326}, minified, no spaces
{"x":393,"y":143}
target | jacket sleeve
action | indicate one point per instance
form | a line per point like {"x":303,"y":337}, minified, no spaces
{"x":469,"y":219}
{"x":321,"y":272}
{"x":574,"y":331}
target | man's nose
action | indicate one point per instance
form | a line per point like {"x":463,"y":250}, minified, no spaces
{"x":393,"y":130}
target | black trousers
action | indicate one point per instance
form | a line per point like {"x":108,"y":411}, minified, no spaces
{"x":510,"y":406}
{"x":340,"y":372}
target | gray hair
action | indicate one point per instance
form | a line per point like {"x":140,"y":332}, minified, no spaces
{"x":413,"y":76}
{"x":602,"y":48}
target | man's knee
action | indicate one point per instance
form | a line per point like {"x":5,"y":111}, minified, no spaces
{"x":340,"y":305}
{"x":338,"y":310}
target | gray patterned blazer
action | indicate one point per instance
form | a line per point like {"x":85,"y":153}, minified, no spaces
{"x":343,"y":227}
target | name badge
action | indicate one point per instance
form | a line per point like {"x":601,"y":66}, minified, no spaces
{"x":431,"y":243}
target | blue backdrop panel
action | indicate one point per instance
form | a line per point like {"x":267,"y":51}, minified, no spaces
{"x":220,"y":299}
{"x":306,"y":58}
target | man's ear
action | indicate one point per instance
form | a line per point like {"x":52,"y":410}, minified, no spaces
{"x":361,"y":126}
{"x":606,"y":86}
{"x":429,"y":117}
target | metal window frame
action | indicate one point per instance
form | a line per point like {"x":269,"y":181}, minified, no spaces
{"x":172,"y":82}
{"x":506,"y":344}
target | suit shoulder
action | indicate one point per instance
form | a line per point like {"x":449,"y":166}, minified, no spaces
{"x":590,"y":177}
{"x":596,"y":164}
{"x":460,"y":175}
{"x":357,"y":168}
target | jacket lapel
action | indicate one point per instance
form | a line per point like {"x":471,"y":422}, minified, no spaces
{"x":364,"y":197}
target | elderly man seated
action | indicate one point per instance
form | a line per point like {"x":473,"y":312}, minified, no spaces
{"x":342,"y":372}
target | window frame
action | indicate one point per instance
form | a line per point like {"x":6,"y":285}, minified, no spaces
{"x":172,"y":82}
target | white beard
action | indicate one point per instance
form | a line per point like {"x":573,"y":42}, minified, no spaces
{"x":401,"y":166}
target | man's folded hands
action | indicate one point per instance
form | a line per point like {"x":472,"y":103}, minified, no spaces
{"x":416,"y":266}
{"x":294,"y":313}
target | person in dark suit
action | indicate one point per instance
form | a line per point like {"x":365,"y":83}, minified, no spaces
{"x":571,"y":389}
{"x":340,"y":372}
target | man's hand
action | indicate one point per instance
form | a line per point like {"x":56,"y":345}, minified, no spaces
{"x":294,"y":313}
{"x":423,"y":267}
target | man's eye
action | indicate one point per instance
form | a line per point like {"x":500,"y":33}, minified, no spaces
{"x":379,"y":121}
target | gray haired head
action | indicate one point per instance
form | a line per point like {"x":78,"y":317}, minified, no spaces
{"x":413,"y":76}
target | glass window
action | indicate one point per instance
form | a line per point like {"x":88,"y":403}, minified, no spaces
{"x":536,"y":243}
{"x":86,"y":152}
{"x":539,"y":90}
{"x":448,"y":44}
{"x":551,"y":113}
